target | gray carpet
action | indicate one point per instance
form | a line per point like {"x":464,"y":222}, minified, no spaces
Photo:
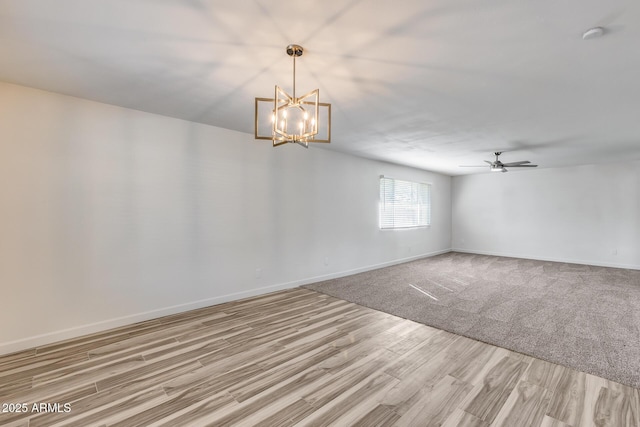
{"x":580,"y":316}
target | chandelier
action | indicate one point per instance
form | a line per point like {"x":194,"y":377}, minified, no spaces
{"x":286,"y":118}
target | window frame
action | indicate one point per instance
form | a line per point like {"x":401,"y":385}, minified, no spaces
{"x":417,"y":205}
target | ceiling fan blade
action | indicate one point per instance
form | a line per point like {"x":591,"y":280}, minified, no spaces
{"x":504,"y":170}
{"x":487,"y":161}
{"x":472,"y":166}
{"x":523,"y":166}
{"x":524,"y":162}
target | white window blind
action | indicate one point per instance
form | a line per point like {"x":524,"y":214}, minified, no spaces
{"x":404,"y":204}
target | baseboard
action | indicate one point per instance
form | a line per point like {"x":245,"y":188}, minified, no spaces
{"x":369,"y":268}
{"x":91,"y":328}
{"x":552,"y":259}
{"x":78,"y":331}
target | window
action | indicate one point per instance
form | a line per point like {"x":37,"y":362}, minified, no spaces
{"x":404,"y":204}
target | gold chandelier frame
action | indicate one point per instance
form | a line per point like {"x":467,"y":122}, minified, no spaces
{"x":308,"y":106}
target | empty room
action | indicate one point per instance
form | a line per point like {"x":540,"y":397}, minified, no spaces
{"x":338,"y":213}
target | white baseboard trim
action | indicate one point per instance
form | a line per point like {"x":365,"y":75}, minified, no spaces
{"x":368,"y":268}
{"x":91,"y":328}
{"x":552,"y":259}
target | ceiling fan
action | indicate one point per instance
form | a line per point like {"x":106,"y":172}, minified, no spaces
{"x":498,"y":166}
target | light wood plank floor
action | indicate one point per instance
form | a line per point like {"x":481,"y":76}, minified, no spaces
{"x":298,"y":357}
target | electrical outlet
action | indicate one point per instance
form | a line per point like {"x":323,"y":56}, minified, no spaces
{"x":258,"y":273}
{"x":326,"y":261}
{"x":614,"y":251}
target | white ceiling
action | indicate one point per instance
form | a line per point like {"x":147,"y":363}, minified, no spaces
{"x":432,"y":84}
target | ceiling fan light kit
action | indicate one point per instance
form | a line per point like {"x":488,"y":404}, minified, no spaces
{"x":289,"y":119}
{"x":498,"y":166}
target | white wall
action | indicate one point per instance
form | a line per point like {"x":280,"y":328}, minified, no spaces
{"x":584,"y":214}
{"x":110,"y":216}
